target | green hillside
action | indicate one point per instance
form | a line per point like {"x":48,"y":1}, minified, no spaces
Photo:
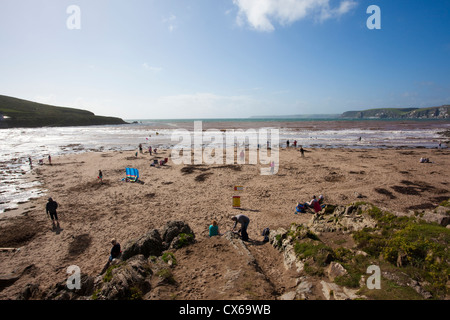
{"x":16,"y":113}
{"x":442,"y":112}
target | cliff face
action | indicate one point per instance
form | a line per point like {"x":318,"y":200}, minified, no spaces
{"x":16,"y":113}
{"x":442,"y":112}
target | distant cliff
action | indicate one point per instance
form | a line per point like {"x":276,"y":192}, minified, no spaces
{"x":16,"y":113}
{"x":442,"y":112}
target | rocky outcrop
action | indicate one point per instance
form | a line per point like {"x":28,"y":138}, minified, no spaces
{"x":175,"y":234}
{"x":287,"y":241}
{"x":346,"y":219}
{"x":440,"y":215}
{"x":129,"y":277}
{"x":147,"y":245}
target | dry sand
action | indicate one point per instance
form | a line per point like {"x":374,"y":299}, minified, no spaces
{"x":92,"y":213}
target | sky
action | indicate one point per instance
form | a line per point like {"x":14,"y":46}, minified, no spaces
{"x":173,"y":59}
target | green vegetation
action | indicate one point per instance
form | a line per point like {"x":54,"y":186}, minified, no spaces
{"x":28,"y":114}
{"x":166,"y":275}
{"x":109,"y":272}
{"x":135,"y":294}
{"x":183,"y":240}
{"x":169,"y":256}
{"x":420,"y":249}
{"x":412,"y":254}
{"x":445,"y":203}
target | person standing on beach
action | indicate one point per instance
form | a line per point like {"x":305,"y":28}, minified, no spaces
{"x":244,"y":221}
{"x":287,"y":144}
{"x":100,"y":176}
{"x":50,"y":208}
{"x":150,"y":150}
{"x":49,"y":160}
{"x":302,"y":151}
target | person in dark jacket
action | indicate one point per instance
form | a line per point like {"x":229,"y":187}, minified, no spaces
{"x":115,"y":250}
{"x":50,"y":208}
{"x":116,"y":253}
{"x":244,"y":221}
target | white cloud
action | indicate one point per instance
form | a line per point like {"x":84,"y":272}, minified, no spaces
{"x":261,"y":14}
{"x":171,"y":21}
{"x":146,"y":66}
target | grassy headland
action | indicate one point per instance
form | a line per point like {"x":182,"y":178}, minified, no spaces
{"x":16,"y":113}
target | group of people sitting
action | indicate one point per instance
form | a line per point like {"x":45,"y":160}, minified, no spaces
{"x":315,"y":204}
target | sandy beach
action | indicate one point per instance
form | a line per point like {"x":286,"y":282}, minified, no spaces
{"x":92,"y":213}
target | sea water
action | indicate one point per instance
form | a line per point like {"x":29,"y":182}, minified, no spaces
{"x":18,"y":145}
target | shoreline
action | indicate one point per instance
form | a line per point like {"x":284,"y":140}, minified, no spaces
{"x":392,"y":179}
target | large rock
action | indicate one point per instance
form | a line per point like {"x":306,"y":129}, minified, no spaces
{"x":149,"y":244}
{"x":343,"y":218}
{"x":281,"y":240}
{"x":332,"y":291}
{"x":441,"y":216}
{"x":335,"y":270}
{"x":128,"y":280}
{"x":61,"y":292}
{"x":174,"y":228}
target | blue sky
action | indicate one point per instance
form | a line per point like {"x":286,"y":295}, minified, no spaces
{"x":166,"y":59}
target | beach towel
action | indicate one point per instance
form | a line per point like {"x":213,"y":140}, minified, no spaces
{"x":300,"y":209}
{"x":132,"y":174}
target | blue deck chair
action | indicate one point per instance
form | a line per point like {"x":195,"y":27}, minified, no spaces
{"x":132,"y":174}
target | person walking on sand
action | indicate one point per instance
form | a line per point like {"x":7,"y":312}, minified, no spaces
{"x":287,"y":144}
{"x":50,"y":208}
{"x":244,"y":221}
{"x":100,"y":176}
{"x":49,"y":160}
{"x":302,"y":151}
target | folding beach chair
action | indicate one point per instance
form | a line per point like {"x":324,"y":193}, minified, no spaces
{"x":132,"y":174}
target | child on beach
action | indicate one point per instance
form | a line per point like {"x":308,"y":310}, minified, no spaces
{"x":100,"y":176}
{"x":214,"y":229}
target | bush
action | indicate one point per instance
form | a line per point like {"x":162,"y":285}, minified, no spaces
{"x":420,"y":248}
{"x":321,"y":253}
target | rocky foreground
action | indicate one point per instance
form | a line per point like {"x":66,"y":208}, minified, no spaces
{"x":344,"y":252}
